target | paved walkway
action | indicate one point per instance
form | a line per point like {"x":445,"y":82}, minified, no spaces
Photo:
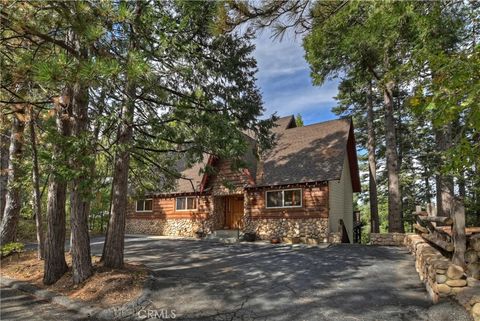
{"x":211,"y":281}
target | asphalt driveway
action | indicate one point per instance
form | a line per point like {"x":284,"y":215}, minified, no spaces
{"x":201,"y":280}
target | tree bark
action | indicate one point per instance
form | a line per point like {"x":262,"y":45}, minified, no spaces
{"x":458,"y":232}
{"x":395,"y":223}
{"x":80,"y":245}
{"x":4,"y":155}
{"x":55,"y":265}
{"x":372,"y":164}
{"x":428,"y":195}
{"x":37,"y":202}
{"x":114,"y":241}
{"x":398,"y":136}
{"x":444,"y":184}
{"x":13,"y":204}
{"x":462,"y":189}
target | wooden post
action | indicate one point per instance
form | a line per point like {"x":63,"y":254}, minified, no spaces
{"x":458,"y":231}
{"x":431,"y":212}
{"x":418,"y":209}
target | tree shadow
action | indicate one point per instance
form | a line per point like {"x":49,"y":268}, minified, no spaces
{"x":212,"y":281}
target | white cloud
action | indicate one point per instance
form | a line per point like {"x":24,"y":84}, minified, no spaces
{"x":277,"y":58}
{"x":284,"y":79}
{"x":299,"y":100}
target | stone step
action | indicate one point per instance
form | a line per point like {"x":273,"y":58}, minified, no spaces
{"x":224,"y":236}
{"x":226,"y":233}
{"x":227,"y":240}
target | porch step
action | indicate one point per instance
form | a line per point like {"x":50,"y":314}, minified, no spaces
{"x":224,"y":236}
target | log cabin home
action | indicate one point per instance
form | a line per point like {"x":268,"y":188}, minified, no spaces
{"x":302,"y":188}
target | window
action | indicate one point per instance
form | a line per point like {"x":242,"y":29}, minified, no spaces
{"x":284,"y":198}
{"x":274,"y":199}
{"x":186,"y":203}
{"x":144,"y":205}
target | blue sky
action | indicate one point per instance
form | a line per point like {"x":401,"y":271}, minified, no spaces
{"x":284,"y":80}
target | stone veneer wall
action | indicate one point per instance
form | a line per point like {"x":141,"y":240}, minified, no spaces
{"x":154,"y":224}
{"x":315,"y":229}
{"x":171,"y":227}
{"x":443,"y":278}
{"x":292,"y":230}
{"x":387,"y":239}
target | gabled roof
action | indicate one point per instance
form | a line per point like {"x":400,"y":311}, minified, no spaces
{"x":310,"y":153}
{"x":284,"y":123}
{"x":192,"y":177}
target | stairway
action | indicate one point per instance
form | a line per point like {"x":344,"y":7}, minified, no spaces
{"x":224,"y":236}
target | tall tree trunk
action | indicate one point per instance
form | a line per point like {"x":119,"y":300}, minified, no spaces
{"x":4,"y":155}
{"x":372,"y":164}
{"x":398,"y":136}
{"x":13,"y":204}
{"x":55,"y":265}
{"x":444,"y":184}
{"x":114,"y":241}
{"x":428,"y":195}
{"x":458,"y":231}
{"x":37,"y":202}
{"x":462,"y":190}
{"x":109,"y":217}
{"x":80,"y":246}
{"x":395,"y":223}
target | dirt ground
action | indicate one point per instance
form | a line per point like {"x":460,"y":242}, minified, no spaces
{"x":106,"y":288}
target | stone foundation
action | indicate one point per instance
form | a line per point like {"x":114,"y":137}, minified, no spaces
{"x":387,"y":239}
{"x":442,"y":278}
{"x":170,"y":227}
{"x":310,"y":230}
{"x":335,"y":237}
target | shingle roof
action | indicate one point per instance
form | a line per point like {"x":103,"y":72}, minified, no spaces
{"x":312,"y":153}
{"x":191,"y":177}
{"x":305,"y":154}
{"x":284,"y":123}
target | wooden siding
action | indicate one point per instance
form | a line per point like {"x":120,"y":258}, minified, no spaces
{"x":314,"y":204}
{"x":341,"y":201}
{"x":237,"y":178}
{"x":164,"y":208}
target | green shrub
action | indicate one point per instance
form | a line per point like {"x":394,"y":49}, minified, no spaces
{"x":10,"y":248}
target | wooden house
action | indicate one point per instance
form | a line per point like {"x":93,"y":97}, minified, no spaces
{"x":300,"y":189}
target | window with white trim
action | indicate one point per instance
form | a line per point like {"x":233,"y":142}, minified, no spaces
{"x":144,"y":205}
{"x":187,"y":203}
{"x":283,"y":198}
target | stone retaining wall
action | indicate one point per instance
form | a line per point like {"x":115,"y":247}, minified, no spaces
{"x":387,"y":239}
{"x":442,"y":278}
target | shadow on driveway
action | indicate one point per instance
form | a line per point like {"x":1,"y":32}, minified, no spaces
{"x":212,"y":281}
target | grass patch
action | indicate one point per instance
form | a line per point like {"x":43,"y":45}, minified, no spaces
{"x":11,"y":248}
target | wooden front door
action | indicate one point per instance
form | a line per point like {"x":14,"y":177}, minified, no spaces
{"x":234,"y":212}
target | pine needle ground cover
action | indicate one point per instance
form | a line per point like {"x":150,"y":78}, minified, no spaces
{"x":106,"y":288}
